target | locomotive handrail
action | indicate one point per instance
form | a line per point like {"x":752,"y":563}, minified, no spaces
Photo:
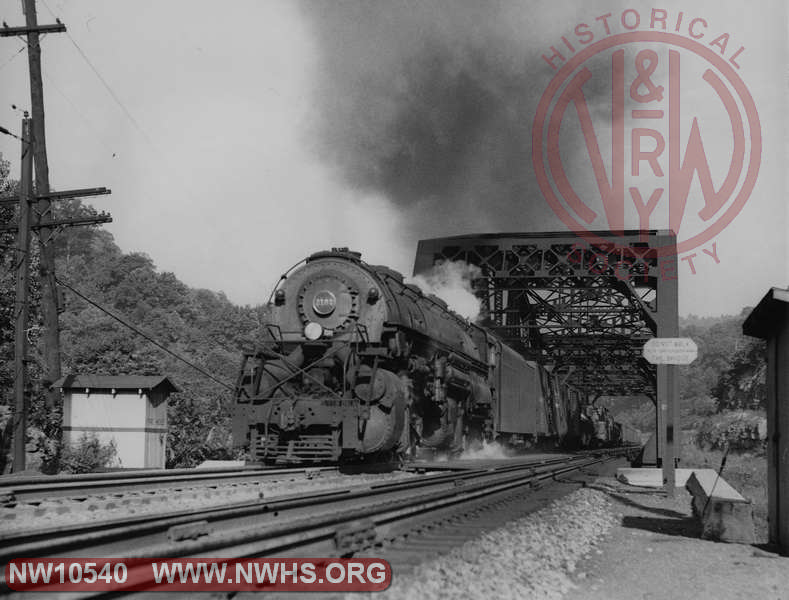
{"x":363,"y":334}
{"x":303,"y":370}
{"x":273,"y":326}
{"x":282,"y":278}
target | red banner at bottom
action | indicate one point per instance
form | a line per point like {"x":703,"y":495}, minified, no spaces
{"x":199,"y":575}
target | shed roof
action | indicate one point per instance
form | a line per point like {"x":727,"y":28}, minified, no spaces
{"x":764,"y":320}
{"x":116,"y":382}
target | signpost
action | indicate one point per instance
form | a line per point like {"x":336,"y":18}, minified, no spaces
{"x":670,"y":351}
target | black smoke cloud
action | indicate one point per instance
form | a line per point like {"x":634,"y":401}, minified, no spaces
{"x":430,"y":104}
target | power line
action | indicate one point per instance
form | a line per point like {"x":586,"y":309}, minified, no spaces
{"x":145,"y":335}
{"x":115,"y":97}
{"x":12,"y":134}
{"x":8,"y":62}
{"x":136,"y":330}
{"x":78,"y":112}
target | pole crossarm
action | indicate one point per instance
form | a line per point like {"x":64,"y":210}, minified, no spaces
{"x":64,"y":195}
{"x":97,"y":220}
{"x":6,"y":31}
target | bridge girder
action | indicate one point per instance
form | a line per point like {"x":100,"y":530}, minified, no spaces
{"x":585,"y":307}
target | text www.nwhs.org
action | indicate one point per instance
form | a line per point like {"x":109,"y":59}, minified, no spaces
{"x":103,"y":574}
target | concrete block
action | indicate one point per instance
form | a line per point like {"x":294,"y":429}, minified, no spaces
{"x":650,"y":477}
{"x":726,"y":516}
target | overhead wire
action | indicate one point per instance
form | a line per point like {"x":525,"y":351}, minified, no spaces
{"x":144,"y":335}
{"x":5,"y":131}
{"x":79,"y":113}
{"x":8,"y":62}
{"x":107,"y":86}
{"x":51,"y":82}
{"x":147,"y":138}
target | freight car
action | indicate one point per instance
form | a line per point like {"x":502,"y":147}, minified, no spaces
{"x":359,"y":364}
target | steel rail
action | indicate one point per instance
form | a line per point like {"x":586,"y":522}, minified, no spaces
{"x":31,"y":490}
{"x":81,"y":536}
{"x":354,"y":530}
{"x":350,"y":520}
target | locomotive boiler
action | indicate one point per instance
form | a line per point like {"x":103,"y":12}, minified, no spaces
{"x":357,"y":364}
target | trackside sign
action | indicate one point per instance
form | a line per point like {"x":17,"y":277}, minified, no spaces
{"x":670,"y":351}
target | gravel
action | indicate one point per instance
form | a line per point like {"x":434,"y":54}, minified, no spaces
{"x":54,"y":513}
{"x":529,"y":558}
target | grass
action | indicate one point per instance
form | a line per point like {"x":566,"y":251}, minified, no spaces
{"x":746,"y":472}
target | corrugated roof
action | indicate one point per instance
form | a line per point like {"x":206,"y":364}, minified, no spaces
{"x":116,"y":382}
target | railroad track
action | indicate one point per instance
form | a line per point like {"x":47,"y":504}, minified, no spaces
{"x":37,"y":489}
{"x":333,"y":523}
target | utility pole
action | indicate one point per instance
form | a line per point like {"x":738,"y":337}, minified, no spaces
{"x":49,"y":295}
{"x":49,"y":292}
{"x":35,"y":214}
{"x":21,"y":304}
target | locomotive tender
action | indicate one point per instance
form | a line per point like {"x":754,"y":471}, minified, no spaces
{"x":360,"y":364}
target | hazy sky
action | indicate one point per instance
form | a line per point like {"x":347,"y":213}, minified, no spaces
{"x":262,"y":131}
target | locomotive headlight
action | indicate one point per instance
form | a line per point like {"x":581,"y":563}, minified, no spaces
{"x":313,"y":331}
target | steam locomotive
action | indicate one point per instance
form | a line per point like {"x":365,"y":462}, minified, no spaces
{"x":357,"y":364}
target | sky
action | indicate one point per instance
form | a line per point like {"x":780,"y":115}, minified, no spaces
{"x":239,"y":137}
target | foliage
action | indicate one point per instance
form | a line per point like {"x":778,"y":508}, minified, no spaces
{"x":8,"y":260}
{"x":88,"y":454}
{"x":6,"y":435}
{"x":744,"y":383}
{"x":744,"y":430}
{"x":730,"y":368}
{"x":728,"y":374}
{"x":189,"y":441}
{"x":202,"y":326}
{"x":44,"y":433}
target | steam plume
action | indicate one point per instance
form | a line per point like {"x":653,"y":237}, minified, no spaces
{"x":451,"y":281}
{"x":430,"y":104}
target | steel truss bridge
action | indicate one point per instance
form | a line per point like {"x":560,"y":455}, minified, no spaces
{"x":584,"y":305}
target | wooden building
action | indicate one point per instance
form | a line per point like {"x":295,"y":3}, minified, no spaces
{"x":130,"y":410}
{"x":770,"y":321}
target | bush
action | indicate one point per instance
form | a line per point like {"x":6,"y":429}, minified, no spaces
{"x":87,"y":455}
{"x":742,"y":431}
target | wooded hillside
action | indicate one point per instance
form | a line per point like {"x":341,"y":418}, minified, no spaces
{"x":200,"y":325}
{"x":728,"y":374}
{"x":207,"y":329}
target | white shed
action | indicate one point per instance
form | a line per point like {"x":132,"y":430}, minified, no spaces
{"x":129,"y":409}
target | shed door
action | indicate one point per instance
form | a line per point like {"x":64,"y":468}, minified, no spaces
{"x":155,"y":431}
{"x":154,"y":450}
